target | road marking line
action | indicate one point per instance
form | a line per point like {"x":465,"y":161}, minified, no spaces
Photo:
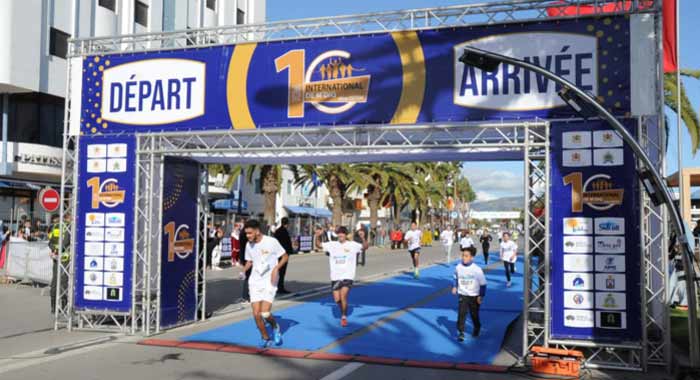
{"x":343,"y":371}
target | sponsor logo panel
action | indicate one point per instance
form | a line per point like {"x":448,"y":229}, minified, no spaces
{"x":579,"y":318}
{"x":578,"y":226}
{"x":610,"y":244}
{"x":578,"y":263}
{"x":610,"y":301}
{"x":578,"y":300}
{"x":578,"y":244}
{"x":609,"y":263}
{"x":578,"y":281}
{"x":610,"y":282}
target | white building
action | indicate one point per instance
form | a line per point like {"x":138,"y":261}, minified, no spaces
{"x":292,"y":200}
{"x":34,"y":40}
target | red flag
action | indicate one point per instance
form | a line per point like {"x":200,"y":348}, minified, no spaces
{"x":670,"y":43}
{"x":560,"y":8}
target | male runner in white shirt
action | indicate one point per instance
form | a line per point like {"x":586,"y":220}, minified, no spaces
{"x":413,"y":237}
{"x":342,"y":258}
{"x":509,"y":255}
{"x":266,"y":256}
{"x":447,"y":238}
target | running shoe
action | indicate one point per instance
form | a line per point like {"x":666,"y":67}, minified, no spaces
{"x":277,"y":335}
{"x":508,"y":284}
{"x":460,"y":337}
{"x":416,"y":273}
{"x":344,"y":321}
{"x":265,"y":343}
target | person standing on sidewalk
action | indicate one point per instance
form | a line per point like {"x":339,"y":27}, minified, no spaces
{"x":245,"y":274}
{"x":509,"y":255}
{"x":360,"y":237}
{"x":264,"y":256}
{"x":485,"y":240}
{"x":447,"y":237}
{"x":413,"y":238}
{"x":470,"y":285}
{"x":282,"y":236}
{"x":60,"y":256}
{"x":342,"y":258}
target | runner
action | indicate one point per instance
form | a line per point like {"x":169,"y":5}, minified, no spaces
{"x":342,"y":256}
{"x":266,"y":256}
{"x":509,"y":255}
{"x":466,"y":241}
{"x":413,"y":238}
{"x":470,"y":284}
{"x":447,"y":238}
{"x":485,"y":240}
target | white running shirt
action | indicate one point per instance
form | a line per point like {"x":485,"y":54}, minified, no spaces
{"x":265,"y":256}
{"x":413,"y":239}
{"x":342,"y":258}
{"x":509,"y":251}
{"x":466,"y":242}
{"x":447,"y":237}
{"x":470,"y":278}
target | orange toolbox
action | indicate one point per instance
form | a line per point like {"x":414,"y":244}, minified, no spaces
{"x":554,"y":361}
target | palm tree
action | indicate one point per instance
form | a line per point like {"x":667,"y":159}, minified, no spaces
{"x":337,"y":178}
{"x":232,"y":171}
{"x":688,"y":115}
{"x":270,"y":184}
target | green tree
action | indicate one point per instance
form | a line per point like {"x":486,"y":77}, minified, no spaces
{"x":688,"y":114}
{"x":337,"y":178}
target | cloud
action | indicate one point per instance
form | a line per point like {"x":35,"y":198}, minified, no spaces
{"x":494,"y":181}
{"x":484,"y":196}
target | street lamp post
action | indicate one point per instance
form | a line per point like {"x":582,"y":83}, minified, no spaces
{"x":586,"y":106}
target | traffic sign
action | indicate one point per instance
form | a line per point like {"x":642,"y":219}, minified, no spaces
{"x":49,"y":199}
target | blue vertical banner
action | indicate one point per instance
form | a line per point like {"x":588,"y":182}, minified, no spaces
{"x":595,"y":235}
{"x":178,"y":282}
{"x":105,"y":223}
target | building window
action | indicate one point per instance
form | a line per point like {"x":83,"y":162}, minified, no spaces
{"x":289,"y":187}
{"x":58,"y":43}
{"x":109,"y":4}
{"x":211,"y":4}
{"x":258,"y":186}
{"x":36,"y":118}
{"x":141,"y":13}
{"x":240,"y":17}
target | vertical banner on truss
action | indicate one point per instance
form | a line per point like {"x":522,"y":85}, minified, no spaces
{"x":105,"y":223}
{"x":178,"y":301}
{"x":595,"y":235}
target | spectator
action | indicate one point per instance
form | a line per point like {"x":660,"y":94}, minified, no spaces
{"x":282,"y":236}
{"x":361,"y":237}
{"x":213,"y":240}
{"x":243,"y":239}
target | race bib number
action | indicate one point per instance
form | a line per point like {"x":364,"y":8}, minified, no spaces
{"x":340,"y":260}
{"x":466,"y":282}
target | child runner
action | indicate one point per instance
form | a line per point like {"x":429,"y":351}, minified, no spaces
{"x":470,"y":284}
{"x":466,"y":241}
{"x":485,"y":240}
{"x":413,"y":237}
{"x":509,"y":254}
{"x":266,"y":256}
{"x":447,"y":238}
{"x":342,"y":256}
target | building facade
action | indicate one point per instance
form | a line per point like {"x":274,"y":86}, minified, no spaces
{"x":34,"y":36}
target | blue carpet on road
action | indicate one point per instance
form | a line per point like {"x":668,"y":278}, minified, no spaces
{"x":426,"y":332}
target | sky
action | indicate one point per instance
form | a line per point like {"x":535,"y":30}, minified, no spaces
{"x":493,"y":180}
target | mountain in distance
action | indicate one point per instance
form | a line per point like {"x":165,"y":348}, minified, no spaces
{"x":500,"y":204}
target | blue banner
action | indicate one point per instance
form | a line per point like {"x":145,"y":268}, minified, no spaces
{"x":178,"y":301}
{"x":384,"y":78}
{"x":595,"y":236}
{"x":105,"y":223}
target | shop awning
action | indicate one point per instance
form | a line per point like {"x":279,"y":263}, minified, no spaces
{"x":229,"y":204}
{"x":310,"y":211}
